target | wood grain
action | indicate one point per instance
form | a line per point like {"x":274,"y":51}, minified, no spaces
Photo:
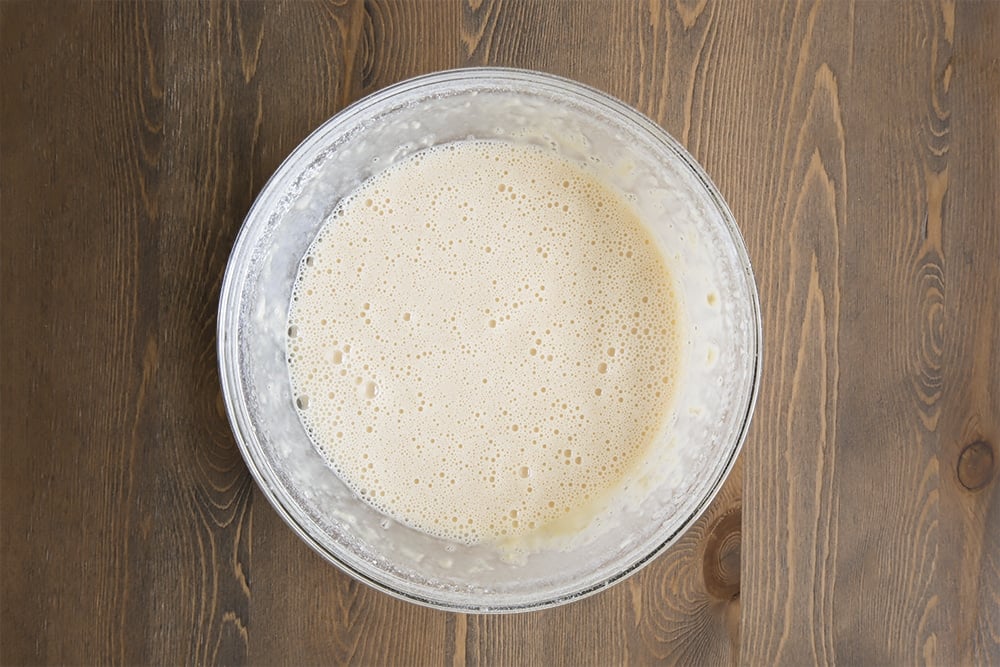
{"x":857,"y":143}
{"x":859,"y":546}
{"x":791,"y":505}
{"x":969,"y":325}
{"x":81,"y":138}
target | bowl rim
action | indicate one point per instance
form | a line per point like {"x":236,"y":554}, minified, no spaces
{"x":235,"y":274}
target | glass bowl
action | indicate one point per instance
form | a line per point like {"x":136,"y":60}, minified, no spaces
{"x":683,"y":212}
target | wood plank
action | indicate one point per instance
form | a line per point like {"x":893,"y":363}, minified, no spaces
{"x":856,"y":548}
{"x":897,"y":563}
{"x":790,"y":497}
{"x":201,"y":498}
{"x":79,"y":149}
{"x":966,"y":326}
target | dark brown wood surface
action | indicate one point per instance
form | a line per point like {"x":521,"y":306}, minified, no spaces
{"x":858,"y":144}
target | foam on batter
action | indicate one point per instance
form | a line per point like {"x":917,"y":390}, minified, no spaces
{"x":483,"y":340}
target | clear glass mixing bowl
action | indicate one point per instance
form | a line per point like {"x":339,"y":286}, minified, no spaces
{"x":684,"y":213}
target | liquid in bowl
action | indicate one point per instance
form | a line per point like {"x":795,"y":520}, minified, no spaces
{"x":714,"y":386}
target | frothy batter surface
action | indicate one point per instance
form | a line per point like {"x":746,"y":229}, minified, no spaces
{"x":482,"y":340}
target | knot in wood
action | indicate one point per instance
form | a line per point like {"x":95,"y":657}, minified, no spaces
{"x":721,"y":560}
{"x":976,"y":465}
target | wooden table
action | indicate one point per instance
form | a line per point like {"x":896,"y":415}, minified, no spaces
{"x":858,"y":144}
